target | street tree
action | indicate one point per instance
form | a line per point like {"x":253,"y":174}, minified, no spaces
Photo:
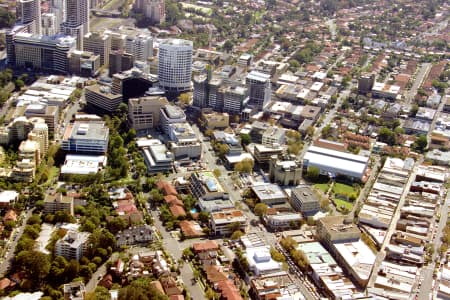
{"x":313,"y":173}
{"x":245,"y":166}
{"x":261,"y":209}
{"x":236,"y":235}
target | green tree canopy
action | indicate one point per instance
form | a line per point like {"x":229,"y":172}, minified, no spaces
{"x":261,"y":209}
{"x":35,"y":264}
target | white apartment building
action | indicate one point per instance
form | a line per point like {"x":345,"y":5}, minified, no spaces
{"x":73,"y":245}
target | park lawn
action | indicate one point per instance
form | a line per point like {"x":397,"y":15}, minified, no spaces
{"x":343,"y":189}
{"x":205,"y":10}
{"x":343,"y":204}
{"x":322,"y":187}
{"x":52,"y":173}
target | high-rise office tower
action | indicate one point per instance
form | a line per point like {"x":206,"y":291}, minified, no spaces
{"x":58,"y":7}
{"x":28,"y":12}
{"x":200,"y":97}
{"x":259,"y":88}
{"x":141,"y":46}
{"x":120,"y":61}
{"x":49,"y":25}
{"x":76,"y":21}
{"x":234,"y":99}
{"x":155,"y":10}
{"x":99,"y":44}
{"x":175,"y":65}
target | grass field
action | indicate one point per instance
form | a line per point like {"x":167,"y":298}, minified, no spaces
{"x":322,"y":187}
{"x":343,"y":189}
{"x":205,"y":10}
{"x":342,"y":204}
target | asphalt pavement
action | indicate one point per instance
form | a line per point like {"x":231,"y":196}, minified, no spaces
{"x":426,"y":288}
{"x":11,"y":244}
{"x":98,"y":275}
{"x":420,"y":76}
{"x":173,"y":247}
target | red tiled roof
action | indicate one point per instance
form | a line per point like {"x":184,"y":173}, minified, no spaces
{"x":10,"y":216}
{"x":157,"y":285}
{"x":5,"y":283}
{"x":228,"y":290}
{"x":173,"y":200}
{"x":176,"y":297}
{"x":128,"y":209}
{"x":188,"y":230}
{"x":205,"y":246}
{"x":166,"y":188}
{"x":214,"y":275}
{"x":177,"y":211}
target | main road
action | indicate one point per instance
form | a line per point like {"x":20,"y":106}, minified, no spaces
{"x":426,"y":288}
{"x":420,"y":76}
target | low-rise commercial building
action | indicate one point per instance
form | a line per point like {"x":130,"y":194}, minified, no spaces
{"x":285,"y":170}
{"x":102,"y":97}
{"x":283,"y":221}
{"x":264,"y":153}
{"x":273,"y":136}
{"x":305,"y":200}
{"x":383,"y":90}
{"x":336,"y":163}
{"x":333,"y":229}
{"x":170,"y":114}
{"x":342,"y":238}
{"x":327,"y":273}
{"x":82,"y":137}
{"x":222,"y":223}
{"x":83,"y":164}
{"x":144,"y":112}
{"x":269,"y":194}
{"x":260,"y":261}
{"x":215,"y":120}
{"x":157,"y":157}
{"x":184,"y":142}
